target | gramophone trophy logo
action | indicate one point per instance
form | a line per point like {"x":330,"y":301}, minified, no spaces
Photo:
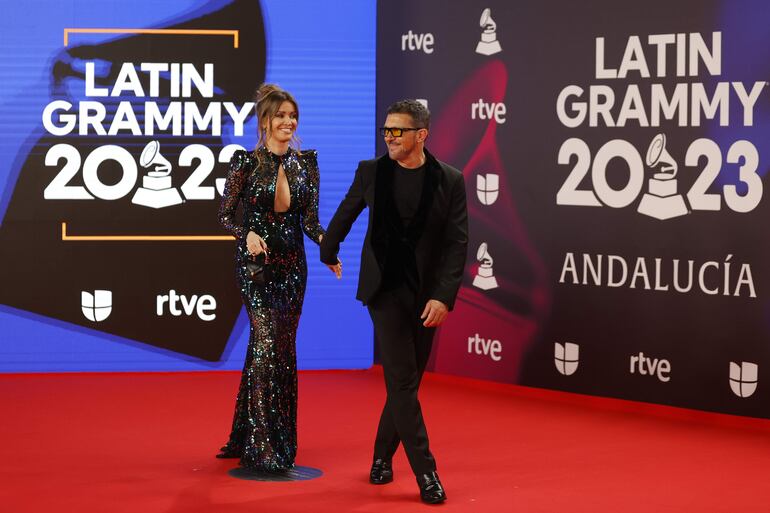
{"x":156,"y":190}
{"x":485,"y":276}
{"x":662,"y":201}
{"x":489,"y":45}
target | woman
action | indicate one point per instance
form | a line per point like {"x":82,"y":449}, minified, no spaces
{"x":278,"y":187}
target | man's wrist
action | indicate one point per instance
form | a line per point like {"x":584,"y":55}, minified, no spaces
{"x":330,"y":261}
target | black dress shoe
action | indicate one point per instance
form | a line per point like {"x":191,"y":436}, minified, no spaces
{"x":431,"y":491}
{"x":381,"y":473}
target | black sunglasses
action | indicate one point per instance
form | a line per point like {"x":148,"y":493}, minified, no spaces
{"x":395,"y":131}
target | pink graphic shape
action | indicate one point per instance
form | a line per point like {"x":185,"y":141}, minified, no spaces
{"x":476,"y":312}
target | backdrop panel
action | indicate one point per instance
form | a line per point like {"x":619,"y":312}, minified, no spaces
{"x":615,"y":156}
{"x":120,"y":120}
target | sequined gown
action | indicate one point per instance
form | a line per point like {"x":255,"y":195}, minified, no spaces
{"x":264,"y":431}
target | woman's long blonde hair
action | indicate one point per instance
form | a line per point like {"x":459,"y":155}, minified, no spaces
{"x":269,"y":98}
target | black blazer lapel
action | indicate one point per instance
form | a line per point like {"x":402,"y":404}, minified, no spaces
{"x":384,"y":211}
{"x":383,"y":202}
{"x":430,"y":183}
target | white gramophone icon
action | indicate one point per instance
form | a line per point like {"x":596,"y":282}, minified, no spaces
{"x":489,"y":44}
{"x":662,"y":201}
{"x":485,"y":277}
{"x":156,"y":190}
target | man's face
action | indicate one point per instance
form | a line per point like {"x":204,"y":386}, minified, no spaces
{"x":401,"y":148}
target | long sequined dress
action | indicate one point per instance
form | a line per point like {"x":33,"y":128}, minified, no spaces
{"x":264,"y":431}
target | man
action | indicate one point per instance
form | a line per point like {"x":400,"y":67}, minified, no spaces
{"x":412,"y":264}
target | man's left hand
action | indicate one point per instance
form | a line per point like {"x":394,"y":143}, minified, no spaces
{"x":434,"y":314}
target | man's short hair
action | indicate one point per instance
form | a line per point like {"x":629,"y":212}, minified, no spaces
{"x":419,"y":112}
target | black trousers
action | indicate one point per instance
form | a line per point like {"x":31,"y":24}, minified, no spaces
{"x":405,"y":346}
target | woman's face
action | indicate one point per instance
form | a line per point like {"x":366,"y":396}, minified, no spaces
{"x":283,"y":124}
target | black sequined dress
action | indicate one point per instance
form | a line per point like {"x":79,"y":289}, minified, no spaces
{"x":264,"y":432}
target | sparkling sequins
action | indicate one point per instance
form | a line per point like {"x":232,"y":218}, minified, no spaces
{"x":264,"y":431}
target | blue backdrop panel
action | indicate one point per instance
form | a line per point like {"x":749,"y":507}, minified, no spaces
{"x":48,"y":291}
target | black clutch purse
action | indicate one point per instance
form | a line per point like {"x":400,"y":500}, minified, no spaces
{"x":257,"y":269}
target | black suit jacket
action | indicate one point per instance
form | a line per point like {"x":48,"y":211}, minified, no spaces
{"x":438,"y":233}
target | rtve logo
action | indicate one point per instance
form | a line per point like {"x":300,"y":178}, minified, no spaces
{"x":488,"y":347}
{"x":566,"y":357}
{"x":97,"y":306}
{"x":483,"y":110}
{"x":414,"y":42}
{"x":651,"y":366}
{"x":744,"y":378}
{"x":202,"y":306}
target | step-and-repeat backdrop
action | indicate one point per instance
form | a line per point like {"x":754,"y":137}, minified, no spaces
{"x":118,"y":121}
{"x":615,"y":156}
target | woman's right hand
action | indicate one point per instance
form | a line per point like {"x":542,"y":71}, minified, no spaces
{"x":255,"y":244}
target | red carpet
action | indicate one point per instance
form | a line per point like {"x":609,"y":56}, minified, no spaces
{"x":144,"y":443}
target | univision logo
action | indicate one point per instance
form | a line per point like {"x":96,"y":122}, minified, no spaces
{"x":566,"y":357}
{"x":97,"y":306}
{"x":487,"y":188}
{"x":744,"y":378}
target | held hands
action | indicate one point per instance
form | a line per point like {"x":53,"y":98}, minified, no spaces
{"x":255,"y":244}
{"x":434,"y":314}
{"x":336,"y":269}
